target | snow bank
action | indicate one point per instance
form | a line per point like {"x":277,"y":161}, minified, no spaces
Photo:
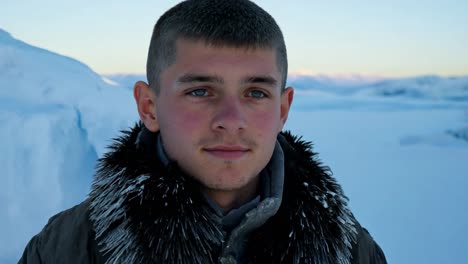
{"x":56,"y":118}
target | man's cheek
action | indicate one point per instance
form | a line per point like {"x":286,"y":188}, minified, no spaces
{"x":190,"y":120}
{"x":265,"y":121}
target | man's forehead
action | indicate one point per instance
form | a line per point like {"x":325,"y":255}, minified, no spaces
{"x":195,"y":61}
{"x":200,"y":52}
{"x":203,"y":42}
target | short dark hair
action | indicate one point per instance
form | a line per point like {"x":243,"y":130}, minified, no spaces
{"x":236,"y":23}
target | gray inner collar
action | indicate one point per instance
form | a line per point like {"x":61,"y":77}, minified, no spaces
{"x":272,"y":192}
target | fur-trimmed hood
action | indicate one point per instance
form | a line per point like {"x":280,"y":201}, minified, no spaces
{"x":145,"y":212}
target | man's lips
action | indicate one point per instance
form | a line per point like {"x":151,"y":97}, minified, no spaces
{"x":227,"y":152}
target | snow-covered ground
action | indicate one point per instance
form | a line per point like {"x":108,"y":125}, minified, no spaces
{"x":399,"y":147}
{"x":405,"y":177}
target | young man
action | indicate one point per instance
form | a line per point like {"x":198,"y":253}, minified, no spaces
{"x":208,"y":176}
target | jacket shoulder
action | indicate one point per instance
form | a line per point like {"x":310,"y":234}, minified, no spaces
{"x":68,"y":237}
{"x":366,"y":250}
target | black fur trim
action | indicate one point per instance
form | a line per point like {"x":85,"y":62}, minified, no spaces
{"x":144,"y":212}
{"x":313,"y":224}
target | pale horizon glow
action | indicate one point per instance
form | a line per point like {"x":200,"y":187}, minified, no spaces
{"x":394,"y":39}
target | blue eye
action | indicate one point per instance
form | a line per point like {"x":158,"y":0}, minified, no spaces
{"x":198,"y":92}
{"x":257,"y":94}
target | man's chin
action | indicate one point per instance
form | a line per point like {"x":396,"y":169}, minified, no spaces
{"x":228,"y":184}
{"x":224,"y":187}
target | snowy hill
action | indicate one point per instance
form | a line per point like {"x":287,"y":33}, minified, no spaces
{"x":34,"y":78}
{"x":55,"y":120}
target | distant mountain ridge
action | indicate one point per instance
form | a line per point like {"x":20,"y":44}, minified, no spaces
{"x":423,"y":87}
{"x":427,"y":87}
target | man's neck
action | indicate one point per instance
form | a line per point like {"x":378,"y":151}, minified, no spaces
{"x":228,"y":200}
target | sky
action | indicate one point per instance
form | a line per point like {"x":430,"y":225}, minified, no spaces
{"x":341,"y":38}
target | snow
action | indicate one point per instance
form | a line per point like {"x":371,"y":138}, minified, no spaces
{"x":56,"y":119}
{"x":399,"y":147}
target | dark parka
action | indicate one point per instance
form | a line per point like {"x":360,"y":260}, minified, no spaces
{"x":140,"y":211}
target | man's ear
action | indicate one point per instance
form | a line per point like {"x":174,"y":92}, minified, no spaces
{"x":286,"y":101}
{"x":145,"y":99}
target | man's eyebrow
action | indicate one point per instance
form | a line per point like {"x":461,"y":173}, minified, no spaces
{"x":194,"y":78}
{"x":261,"y":80}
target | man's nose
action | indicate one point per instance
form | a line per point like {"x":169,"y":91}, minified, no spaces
{"x":230,"y":116}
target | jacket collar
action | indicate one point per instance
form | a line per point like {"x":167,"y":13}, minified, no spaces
{"x":143,"y":211}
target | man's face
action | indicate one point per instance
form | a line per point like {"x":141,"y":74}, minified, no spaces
{"x":219,"y":111}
